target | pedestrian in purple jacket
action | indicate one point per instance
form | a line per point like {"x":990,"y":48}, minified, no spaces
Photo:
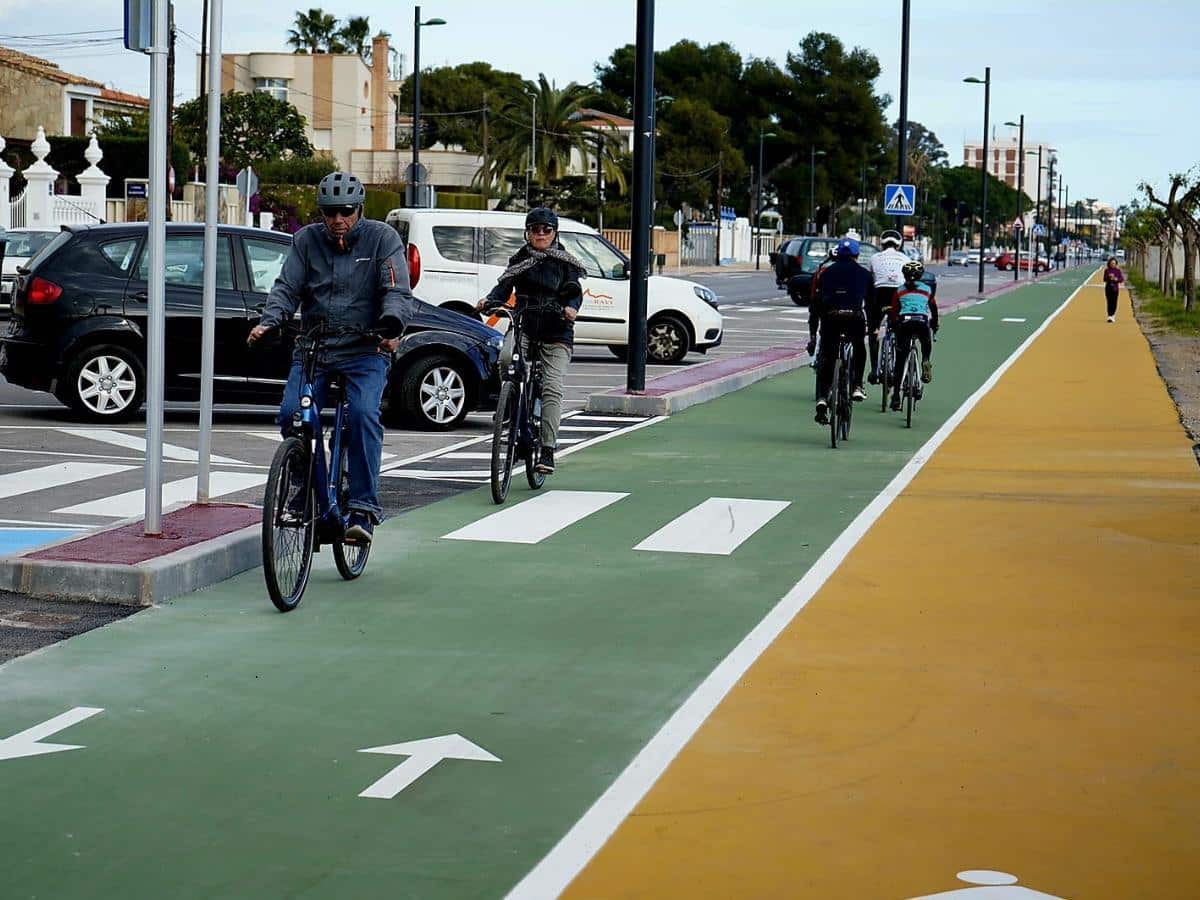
{"x":1113,"y":279}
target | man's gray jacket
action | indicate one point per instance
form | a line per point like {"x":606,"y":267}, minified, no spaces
{"x":354,"y":281}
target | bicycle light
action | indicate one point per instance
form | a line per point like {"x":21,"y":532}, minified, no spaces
{"x":306,"y":402}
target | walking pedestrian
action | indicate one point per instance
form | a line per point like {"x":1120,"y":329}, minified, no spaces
{"x":1113,"y":279}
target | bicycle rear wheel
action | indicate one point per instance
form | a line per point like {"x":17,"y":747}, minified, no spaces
{"x":535,"y":478}
{"x":288,"y":524}
{"x":847,"y":405}
{"x":350,"y":559}
{"x":835,"y":406}
{"x":911,"y":380}
{"x":887,"y":364}
{"x":504,"y":441}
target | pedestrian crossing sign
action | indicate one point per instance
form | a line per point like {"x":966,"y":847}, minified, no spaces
{"x":899,"y":199}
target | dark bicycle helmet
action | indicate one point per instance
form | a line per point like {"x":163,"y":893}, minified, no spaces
{"x":847,"y":248}
{"x":340,"y":189}
{"x":913,"y":270}
{"x":542,"y":216}
{"x":891,"y":238}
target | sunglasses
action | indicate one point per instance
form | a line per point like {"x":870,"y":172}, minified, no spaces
{"x":344,"y":211}
{"x":540,"y":229}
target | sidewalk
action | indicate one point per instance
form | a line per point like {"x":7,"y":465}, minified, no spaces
{"x":999,"y":676}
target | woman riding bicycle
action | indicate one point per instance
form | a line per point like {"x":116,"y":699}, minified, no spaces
{"x":545,"y":278}
{"x":914,"y":313}
{"x":351,"y":273}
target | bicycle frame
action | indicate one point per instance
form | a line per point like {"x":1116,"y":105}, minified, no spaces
{"x":525,"y":371}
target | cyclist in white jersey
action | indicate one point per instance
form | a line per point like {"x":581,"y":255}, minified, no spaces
{"x":887,"y":275}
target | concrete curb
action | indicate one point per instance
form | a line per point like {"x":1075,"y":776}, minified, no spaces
{"x":140,"y":584}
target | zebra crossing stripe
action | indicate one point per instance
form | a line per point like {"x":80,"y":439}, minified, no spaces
{"x":535,"y":520}
{"x":717,"y":527}
{"x":133,"y":503}
{"x":134,"y":442}
{"x":27,"y":481}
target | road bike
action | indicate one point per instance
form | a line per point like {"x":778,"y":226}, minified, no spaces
{"x":517,"y":423}
{"x":887,"y":365}
{"x":910,"y":381}
{"x":841,"y":407}
{"x":306,"y":501}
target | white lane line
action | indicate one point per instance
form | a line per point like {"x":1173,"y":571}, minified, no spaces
{"x":27,"y":481}
{"x":274,"y":436}
{"x":50,"y":526}
{"x":970,"y":318}
{"x":132,"y":503}
{"x":1012,"y":320}
{"x":535,"y":520}
{"x":455,"y":474}
{"x":753,"y":309}
{"x":562,"y":441}
{"x":133,"y":442}
{"x":764,"y":331}
{"x":595,"y":428}
{"x":575,"y":849}
{"x":718,"y":526}
{"x":623,"y":420}
{"x":730,"y":318}
{"x":430,"y":454}
{"x":463,"y":454}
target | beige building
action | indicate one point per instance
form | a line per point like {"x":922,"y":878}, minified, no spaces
{"x":1003,"y":162}
{"x":346,"y":104}
{"x":35,"y":91}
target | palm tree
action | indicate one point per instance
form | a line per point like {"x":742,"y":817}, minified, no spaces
{"x":314,"y":31}
{"x":354,"y":35}
{"x":564,"y":129}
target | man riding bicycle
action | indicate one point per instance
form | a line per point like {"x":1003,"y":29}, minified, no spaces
{"x":545,"y":277}
{"x":886,"y":275}
{"x":350,"y":273}
{"x":914,"y":313}
{"x":839,"y":310}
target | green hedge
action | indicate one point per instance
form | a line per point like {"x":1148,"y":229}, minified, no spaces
{"x":380,"y":202}
{"x":461,"y":201}
{"x":307,"y":170}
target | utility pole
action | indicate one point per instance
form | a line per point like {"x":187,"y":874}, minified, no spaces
{"x":203,"y":44}
{"x":170,"y":100}
{"x":485,"y":180}
{"x":643,"y":195}
{"x":903,"y":136}
{"x":717,"y":205}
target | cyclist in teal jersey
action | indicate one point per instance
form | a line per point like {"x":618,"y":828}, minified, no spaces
{"x":914,"y":313}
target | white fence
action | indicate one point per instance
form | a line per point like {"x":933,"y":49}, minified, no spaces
{"x":16,"y":212}
{"x":68,"y":210}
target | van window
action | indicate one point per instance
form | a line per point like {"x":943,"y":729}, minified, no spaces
{"x":499,"y":244}
{"x":401,"y":227}
{"x":455,"y":242}
{"x":598,"y":258}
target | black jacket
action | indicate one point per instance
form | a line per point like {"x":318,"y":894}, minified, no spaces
{"x":552,"y":282}
{"x":842,"y":291}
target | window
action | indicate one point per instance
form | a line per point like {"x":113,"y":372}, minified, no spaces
{"x":817,"y":253}
{"x":1010,"y":155}
{"x":266,"y":260}
{"x":185,"y":262}
{"x":455,"y":242}
{"x":598,"y":258}
{"x":276,"y":87}
{"x":120,"y":253}
{"x":499,"y":244}
{"x":27,"y":243}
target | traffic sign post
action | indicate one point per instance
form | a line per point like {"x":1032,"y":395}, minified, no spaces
{"x":247,"y":187}
{"x":899,"y":199}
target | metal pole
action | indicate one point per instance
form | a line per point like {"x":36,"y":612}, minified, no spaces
{"x":643,"y":197}
{"x":903,"y":136}
{"x":758,"y":205}
{"x":599,"y":184}
{"x":209,"y":300}
{"x":987,"y":97}
{"x":156,"y":243}
{"x":812,"y":188}
{"x":416,"y":134}
{"x":720,"y":187}
{"x":1020,"y":193}
{"x":862,"y":202}
{"x":1037,"y":215}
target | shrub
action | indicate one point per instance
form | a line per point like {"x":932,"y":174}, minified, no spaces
{"x":296,"y":169}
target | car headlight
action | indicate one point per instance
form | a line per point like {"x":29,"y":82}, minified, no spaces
{"x":705,"y":294}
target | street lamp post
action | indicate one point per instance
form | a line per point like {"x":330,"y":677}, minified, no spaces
{"x":813,"y":153}
{"x":532,"y":167}
{"x":416,"y":135}
{"x":987,"y":97}
{"x":643,"y":195}
{"x":1020,"y":190}
{"x":758,"y":200}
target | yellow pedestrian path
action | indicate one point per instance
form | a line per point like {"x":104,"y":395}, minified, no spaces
{"x":1002,"y":675}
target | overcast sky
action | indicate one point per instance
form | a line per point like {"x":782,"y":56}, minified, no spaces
{"x":1114,"y":86}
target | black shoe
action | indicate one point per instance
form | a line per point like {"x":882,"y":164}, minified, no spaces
{"x":360,"y":529}
{"x":873,"y":378}
{"x":896,"y":402}
{"x":546,"y":462}
{"x":822,"y":416}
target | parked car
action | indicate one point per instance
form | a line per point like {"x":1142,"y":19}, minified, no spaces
{"x":797,"y":260}
{"x":23,"y":244}
{"x":79,"y":323}
{"x":1007,"y":262}
{"x":957,"y":258}
{"x":456,"y":256}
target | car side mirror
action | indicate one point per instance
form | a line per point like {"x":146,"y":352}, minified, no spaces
{"x":621,"y":270}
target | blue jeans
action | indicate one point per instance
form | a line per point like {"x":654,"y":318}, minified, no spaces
{"x":365,"y":378}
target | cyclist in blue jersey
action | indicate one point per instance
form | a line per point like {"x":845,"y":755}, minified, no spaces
{"x":914,"y":313}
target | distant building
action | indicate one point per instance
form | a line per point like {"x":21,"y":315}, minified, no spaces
{"x":35,"y":91}
{"x":1003,"y":162}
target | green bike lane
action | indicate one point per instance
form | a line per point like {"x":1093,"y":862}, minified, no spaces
{"x":225,"y":761}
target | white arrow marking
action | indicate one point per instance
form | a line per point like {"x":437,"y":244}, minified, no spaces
{"x":25,"y":743}
{"x":422,"y":756}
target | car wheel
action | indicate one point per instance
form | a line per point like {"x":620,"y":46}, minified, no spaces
{"x":620,"y":351}
{"x":433,"y":393}
{"x":667,"y":340}
{"x":104,"y":383}
{"x":797,"y":299}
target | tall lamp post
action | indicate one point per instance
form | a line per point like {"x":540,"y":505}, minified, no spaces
{"x":416,"y":136}
{"x":986,"y":81}
{"x":1020,"y":189}
{"x":1037,"y":216}
{"x":758,"y":200}
{"x":813,"y":153}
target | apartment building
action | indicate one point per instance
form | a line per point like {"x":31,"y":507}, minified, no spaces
{"x":1003,"y":162}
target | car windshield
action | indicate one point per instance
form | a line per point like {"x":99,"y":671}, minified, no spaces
{"x":814,"y":253}
{"x":27,"y":243}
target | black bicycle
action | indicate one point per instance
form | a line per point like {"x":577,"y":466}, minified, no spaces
{"x":910,"y":381}
{"x":517,"y":424}
{"x":841,"y":407}
{"x":306,"y":501}
{"x":887,"y":366}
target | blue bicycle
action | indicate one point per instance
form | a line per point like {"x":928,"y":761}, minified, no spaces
{"x":305,"y":504}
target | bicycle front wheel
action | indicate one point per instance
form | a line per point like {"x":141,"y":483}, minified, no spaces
{"x":504,"y":441}
{"x":350,"y":559}
{"x":535,"y":478}
{"x":844,"y":401}
{"x":887,"y":363}
{"x":911,"y":380}
{"x":835,"y":404}
{"x":288,"y":524}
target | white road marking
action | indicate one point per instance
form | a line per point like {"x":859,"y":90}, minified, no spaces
{"x":133,"y":503}
{"x":588,"y":417}
{"x":452,"y":474}
{"x":28,"y":742}
{"x":535,"y":520}
{"x":754,"y":309}
{"x":970,"y":318}
{"x":430,"y":454}
{"x":1012,"y":320}
{"x":718,"y":526}
{"x":133,"y":442}
{"x":27,"y":481}
{"x":765,"y":331}
{"x":575,"y":849}
{"x":422,"y":756}
{"x":463,"y":454}
{"x":596,"y":428}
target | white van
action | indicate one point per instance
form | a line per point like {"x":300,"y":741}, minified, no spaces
{"x":456,"y":256}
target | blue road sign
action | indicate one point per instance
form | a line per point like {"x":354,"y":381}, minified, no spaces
{"x":137,"y":25}
{"x":1039,"y":229}
{"x":899,"y":199}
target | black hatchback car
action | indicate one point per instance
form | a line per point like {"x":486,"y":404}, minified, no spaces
{"x":79,"y":323}
{"x":797,"y":261}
